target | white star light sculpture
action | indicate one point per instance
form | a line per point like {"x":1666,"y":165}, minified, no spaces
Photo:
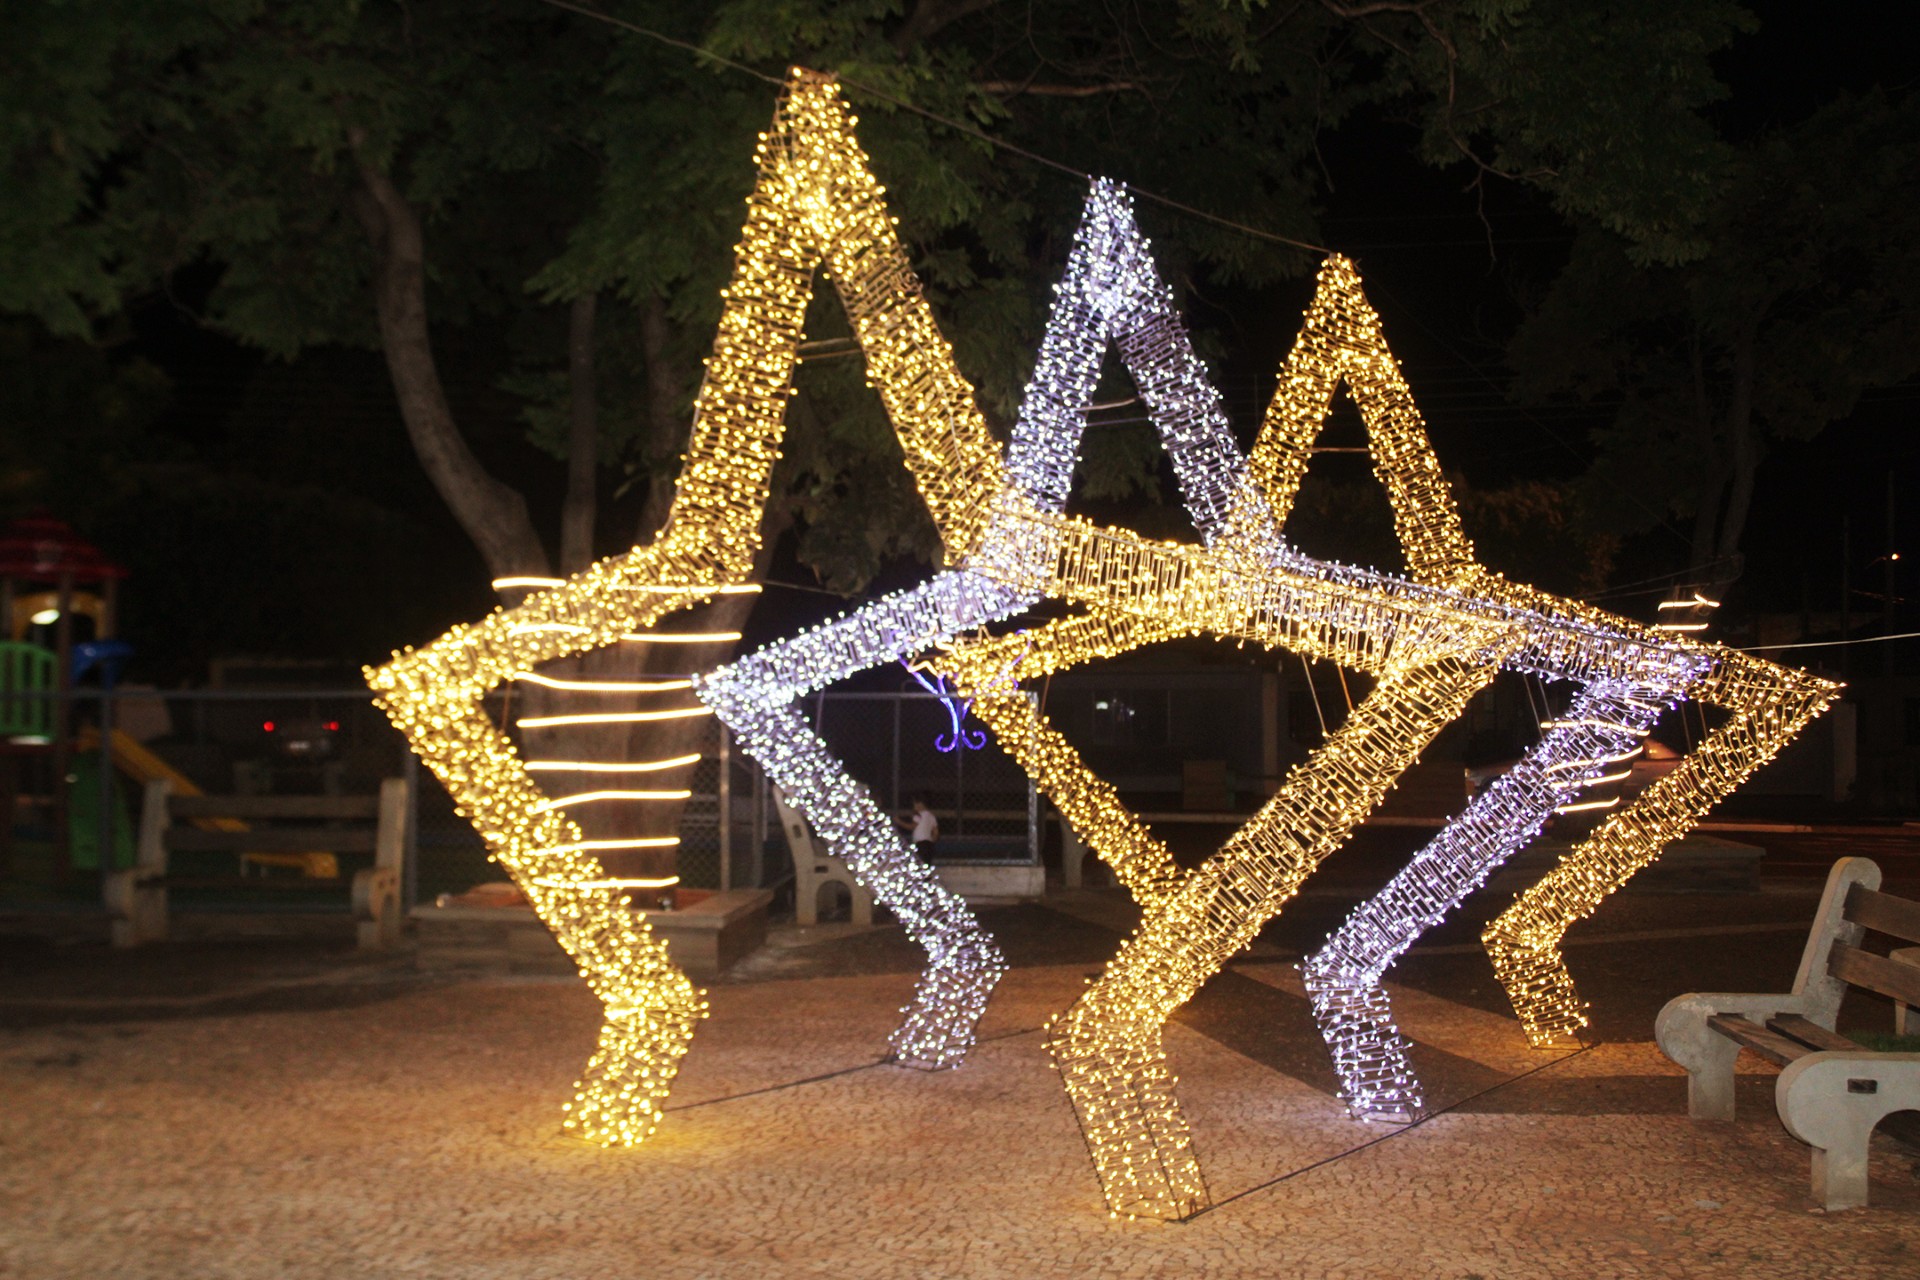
{"x":1110,"y":292}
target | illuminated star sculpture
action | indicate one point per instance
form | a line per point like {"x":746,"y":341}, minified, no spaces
{"x":1431,"y":642}
{"x":1110,"y":292}
{"x":816,"y":204}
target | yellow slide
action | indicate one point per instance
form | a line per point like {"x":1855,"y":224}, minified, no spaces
{"x":143,"y":766}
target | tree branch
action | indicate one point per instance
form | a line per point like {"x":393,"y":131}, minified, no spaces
{"x":583,"y":438}
{"x":493,"y":515}
{"x":929,"y":16}
{"x":1014,"y":88}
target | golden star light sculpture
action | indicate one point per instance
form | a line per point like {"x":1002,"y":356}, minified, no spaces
{"x":1431,"y":643}
{"x":816,"y":204}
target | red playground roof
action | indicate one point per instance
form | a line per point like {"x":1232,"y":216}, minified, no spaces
{"x":41,"y":549}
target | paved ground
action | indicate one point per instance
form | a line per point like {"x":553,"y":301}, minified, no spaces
{"x":278,"y":1108}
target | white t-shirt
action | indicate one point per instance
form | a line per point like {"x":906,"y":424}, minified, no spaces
{"x":925,"y":826}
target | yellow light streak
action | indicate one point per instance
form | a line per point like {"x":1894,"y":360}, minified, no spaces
{"x":683,"y":637}
{"x":602,"y":686}
{"x":612,"y":717}
{"x":591,"y":846}
{"x":1584,"y":805}
{"x":503,"y":584}
{"x":611,"y":882}
{"x":596,"y":797}
{"x":604,"y":766}
{"x":1564,"y":766}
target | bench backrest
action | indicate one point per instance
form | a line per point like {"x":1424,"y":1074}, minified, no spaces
{"x":799,"y":840}
{"x":1815,"y":982}
{"x":198,"y":823}
{"x":1877,"y":912}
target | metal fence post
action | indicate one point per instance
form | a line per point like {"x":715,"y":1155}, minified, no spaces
{"x":410,"y":855}
{"x":103,"y":842}
{"x":726,"y":810}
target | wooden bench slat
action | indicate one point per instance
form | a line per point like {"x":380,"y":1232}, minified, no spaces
{"x":1884,"y":913}
{"x":273,"y":840}
{"x":252,"y":884}
{"x":1809,"y":1033}
{"x":1749,"y":1034}
{"x":274,"y":806}
{"x":1875,"y":973}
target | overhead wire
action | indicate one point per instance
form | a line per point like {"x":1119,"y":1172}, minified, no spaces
{"x":958,"y":126}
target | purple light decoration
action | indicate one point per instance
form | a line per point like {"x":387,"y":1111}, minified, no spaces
{"x":957,"y":708}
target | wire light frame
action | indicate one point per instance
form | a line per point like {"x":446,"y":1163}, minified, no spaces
{"x":1431,"y":639}
{"x":815,"y":205}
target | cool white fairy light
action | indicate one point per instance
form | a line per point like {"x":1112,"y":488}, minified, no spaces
{"x":1110,"y":294}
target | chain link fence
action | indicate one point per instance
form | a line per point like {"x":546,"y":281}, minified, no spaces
{"x":336,"y":742}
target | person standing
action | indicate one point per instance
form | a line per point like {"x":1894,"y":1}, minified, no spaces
{"x":925,"y":827}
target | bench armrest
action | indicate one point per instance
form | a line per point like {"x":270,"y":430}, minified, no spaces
{"x":1684,"y":1036}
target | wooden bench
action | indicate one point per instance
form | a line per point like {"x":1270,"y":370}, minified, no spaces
{"x":170,"y":823}
{"x":1832,"y":1092}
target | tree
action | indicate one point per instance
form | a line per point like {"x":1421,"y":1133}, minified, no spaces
{"x":389,"y":174}
{"x":1804,"y":298}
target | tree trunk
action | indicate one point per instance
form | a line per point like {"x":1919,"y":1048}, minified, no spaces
{"x":493,"y":515}
{"x":667,"y":428}
{"x":666,"y":425}
{"x":583,"y":439}
{"x":1743,"y":451}
{"x":648,"y":740}
{"x":1713,"y":488}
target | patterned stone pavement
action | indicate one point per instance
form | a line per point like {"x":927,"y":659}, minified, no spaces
{"x":338,"y":1119}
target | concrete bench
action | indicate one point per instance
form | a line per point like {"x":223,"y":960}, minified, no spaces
{"x":137,"y":899}
{"x":814,"y":868}
{"x":1832,"y":1093}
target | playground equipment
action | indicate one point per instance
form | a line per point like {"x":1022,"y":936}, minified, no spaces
{"x":58,"y":597}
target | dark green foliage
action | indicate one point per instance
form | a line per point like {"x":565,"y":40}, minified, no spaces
{"x":548,"y":157}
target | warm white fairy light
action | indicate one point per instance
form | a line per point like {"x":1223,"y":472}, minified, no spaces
{"x":815,"y":204}
{"x":609,"y":882}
